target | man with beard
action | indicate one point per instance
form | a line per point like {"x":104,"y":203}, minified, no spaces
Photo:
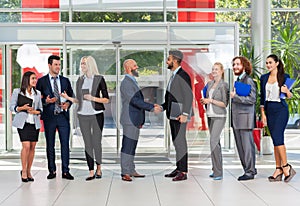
{"x":132,"y":118}
{"x":178,"y":94}
{"x":243,"y":112}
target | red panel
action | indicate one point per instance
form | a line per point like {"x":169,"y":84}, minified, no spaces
{"x":196,"y":16}
{"x":40,"y":16}
{"x":196,"y":3}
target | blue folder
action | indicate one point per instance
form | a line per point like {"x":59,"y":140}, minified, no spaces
{"x":204,"y":90}
{"x":242,"y":89}
{"x":289,"y":84}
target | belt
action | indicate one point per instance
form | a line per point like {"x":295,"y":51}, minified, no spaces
{"x":56,"y":113}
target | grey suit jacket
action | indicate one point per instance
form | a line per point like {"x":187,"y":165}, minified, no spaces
{"x":20,"y":117}
{"x":133,"y":104}
{"x":243,"y":107}
{"x":221,"y":93}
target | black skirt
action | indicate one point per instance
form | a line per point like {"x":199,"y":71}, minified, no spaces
{"x":29,"y":133}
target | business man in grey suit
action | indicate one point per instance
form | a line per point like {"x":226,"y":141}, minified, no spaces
{"x":132,"y":118}
{"x":178,"y":92}
{"x":243,"y":112}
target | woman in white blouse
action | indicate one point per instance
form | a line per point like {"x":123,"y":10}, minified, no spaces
{"x":91,"y":95}
{"x":27,"y":121}
{"x":275,"y":114}
{"x":216,"y":101}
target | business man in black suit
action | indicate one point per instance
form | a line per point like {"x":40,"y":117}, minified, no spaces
{"x":178,"y":92}
{"x":132,"y":118}
{"x":56,"y":115}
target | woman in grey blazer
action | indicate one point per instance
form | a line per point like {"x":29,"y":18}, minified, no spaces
{"x":91,"y":95}
{"x":27,"y":121}
{"x":216,"y":101}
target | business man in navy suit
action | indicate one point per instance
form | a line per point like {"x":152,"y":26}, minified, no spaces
{"x":56,"y":115}
{"x":178,"y":92}
{"x":132,"y":118}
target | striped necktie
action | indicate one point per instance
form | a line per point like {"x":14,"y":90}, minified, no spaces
{"x":56,"y":94}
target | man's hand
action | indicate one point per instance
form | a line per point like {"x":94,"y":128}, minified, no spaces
{"x":157,"y":109}
{"x":182,"y":118}
{"x":50,"y":100}
{"x":232,"y":94}
{"x":65,"y":105}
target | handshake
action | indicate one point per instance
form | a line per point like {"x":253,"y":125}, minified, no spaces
{"x":157,"y":109}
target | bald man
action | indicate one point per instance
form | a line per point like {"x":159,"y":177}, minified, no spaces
{"x":132,"y":118}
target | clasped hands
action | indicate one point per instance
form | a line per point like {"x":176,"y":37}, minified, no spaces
{"x":157,"y":109}
{"x":28,"y":109}
{"x":63,"y":105}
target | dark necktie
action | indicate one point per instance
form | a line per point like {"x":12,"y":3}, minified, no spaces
{"x":56,"y":94}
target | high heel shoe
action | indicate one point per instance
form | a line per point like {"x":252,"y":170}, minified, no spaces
{"x":292,"y":173}
{"x":278,"y":177}
{"x":23,"y":179}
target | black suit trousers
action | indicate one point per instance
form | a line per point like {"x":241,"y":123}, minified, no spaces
{"x":178,"y":132}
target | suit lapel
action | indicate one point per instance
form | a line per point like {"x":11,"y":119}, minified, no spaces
{"x":49,"y":84}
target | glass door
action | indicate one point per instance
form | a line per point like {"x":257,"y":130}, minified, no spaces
{"x":105,"y":57}
{"x":2,"y":100}
{"x":109,"y":59}
{"x":151,"y":80}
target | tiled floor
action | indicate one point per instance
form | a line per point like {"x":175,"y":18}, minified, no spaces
{"x":153,"y":190}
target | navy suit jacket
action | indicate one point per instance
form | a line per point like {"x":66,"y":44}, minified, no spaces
{"x":44,"y":86}
{"x":263,"y":81}
{"x":133,"y":104}
{"x":181,"y":92}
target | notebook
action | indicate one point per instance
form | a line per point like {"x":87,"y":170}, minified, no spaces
{"x":176,"y":110}
{"x":289,"y":84}
{"x":85,"y":91}
{"x":22,"y":100}
{"x":242,"y":89}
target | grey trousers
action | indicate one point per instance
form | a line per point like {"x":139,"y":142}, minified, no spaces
{"x":216,"y":125}
{"x":246,"y":149}
{"x":129,"y":142}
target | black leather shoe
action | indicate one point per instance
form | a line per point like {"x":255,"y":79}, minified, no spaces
{"x":180,"y":176}
{"x":90,"y":178}
{"x":51,"y":175}
{"x":172,"y":174}
{"x":245,"y":177}
{"x":67,"y":176}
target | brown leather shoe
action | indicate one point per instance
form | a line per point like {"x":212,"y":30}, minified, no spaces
{"x":180,"y":176}
{"x":126,"y":178}
{"x":135,"y":174}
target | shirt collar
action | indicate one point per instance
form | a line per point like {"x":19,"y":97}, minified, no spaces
{"x":131,"y":77}
{"x":50,"y":76}
{"x":242,"y":75}
{"x":176,"y":70}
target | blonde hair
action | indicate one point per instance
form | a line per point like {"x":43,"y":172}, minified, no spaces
{"x":221,"y":67}
{"x":91,"y":65}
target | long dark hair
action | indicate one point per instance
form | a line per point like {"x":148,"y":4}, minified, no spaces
{"x":26,"y":82}
{"x":280,"y":69}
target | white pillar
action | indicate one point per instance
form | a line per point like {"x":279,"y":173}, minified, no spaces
{"x":261,"y":28}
